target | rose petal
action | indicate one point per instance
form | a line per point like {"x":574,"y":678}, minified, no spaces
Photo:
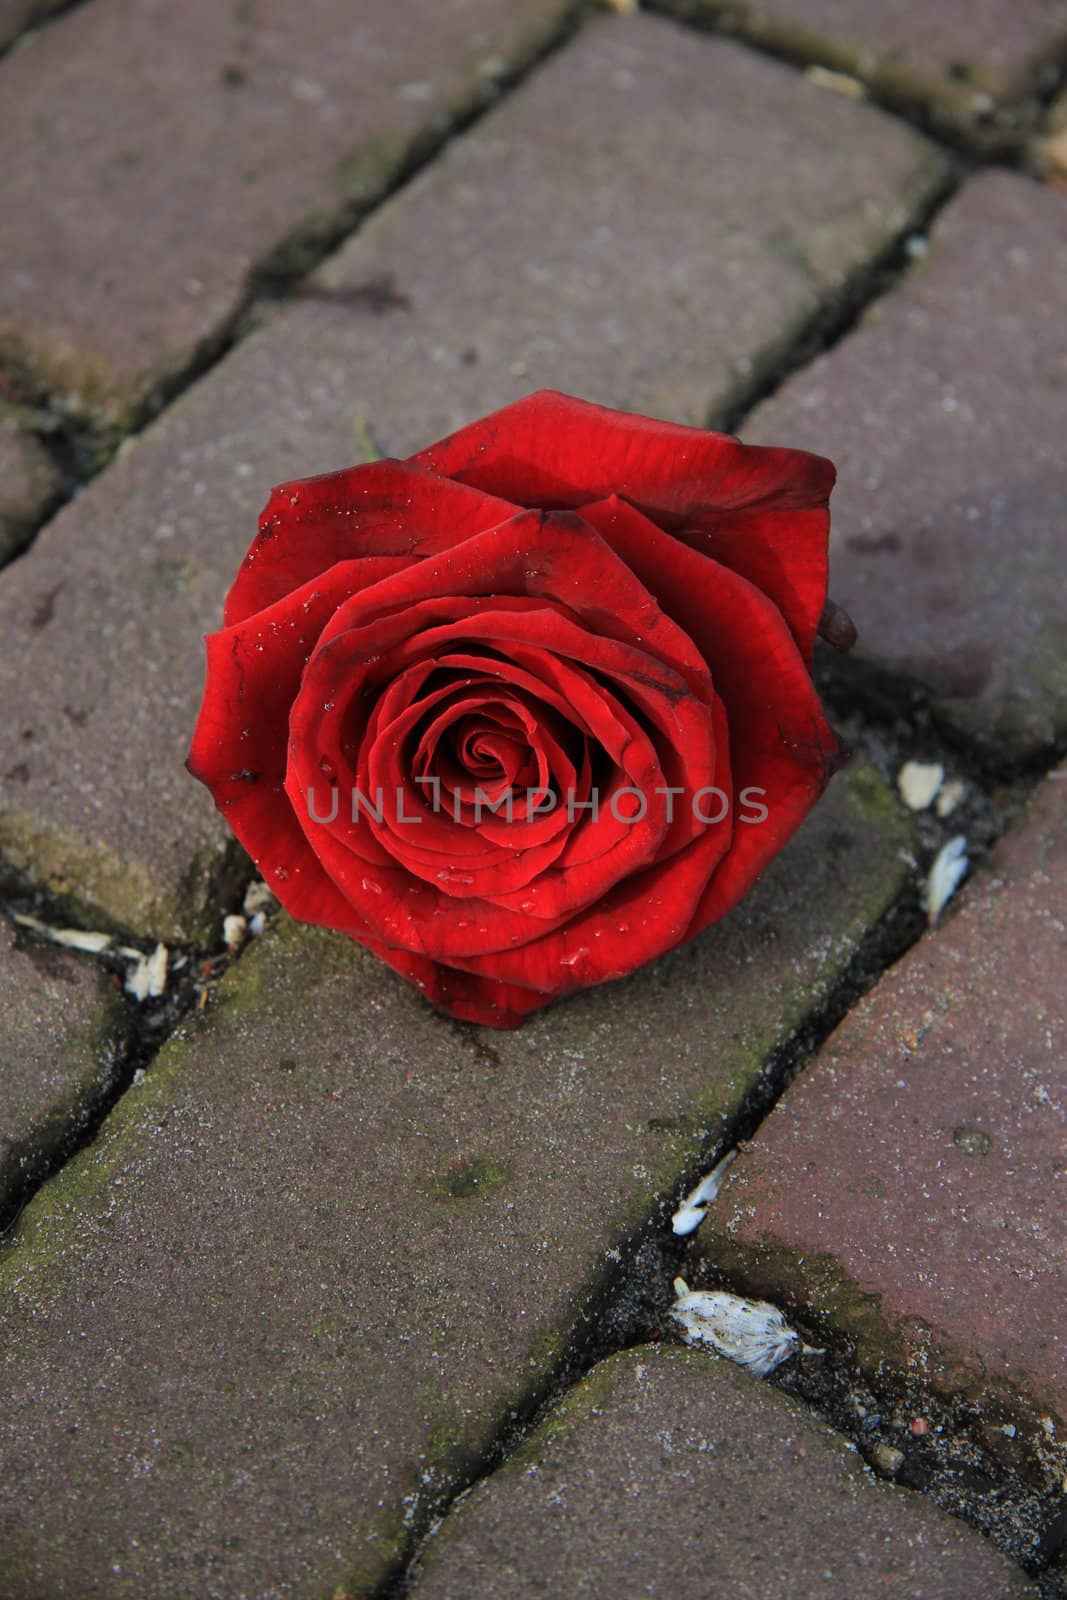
{"x":388,"y":508}
{"x":781,"y":742}
{"x":758,"y":509}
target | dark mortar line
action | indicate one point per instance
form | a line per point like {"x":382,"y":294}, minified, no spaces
{"x":839,"y":314}
{"x":951,"y":1464}
{"x":625,"y":1303}
{"x":626,"y":1307}
{"x":981,"y":144}
{"x":80,"y":449}
{"x":885,"y":696}
{"x":995,"y":794}
{"x":146,"y":1027}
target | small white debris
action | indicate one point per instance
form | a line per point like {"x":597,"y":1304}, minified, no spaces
{"x":750,"y":1332}
{"x":836,"y":82}
{"x":917,"y":245}
{"x":233,"y":931}
{"x":950,"y":797}
{"x":918,"y":782}
{"x":694,"y":1208}
{"x":256,"y":924}
{"x":257,"y":898}
{"x":949,"y":866}
{"x":309,"y":90}
{"x":71,"y":938}
{"x":147,"y":978}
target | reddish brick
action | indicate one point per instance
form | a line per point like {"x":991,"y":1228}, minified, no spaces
{"x":944,"y":415}
{"x":910,"y":1187}
{"x":28,"y":485}
{"x":977,"y":67}
{"x":331,"y":1239}
{"x":207,"y":140}
{"x":607,"y":147}
{"x":670,"y":1472}
{"x":61,"y":1027}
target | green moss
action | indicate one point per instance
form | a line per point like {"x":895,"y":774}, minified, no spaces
{"x":870,"y":798}
{"x":475,"y":1179}
{"x":118,"y":894}
{"x":89,"y":1057}
{"x":371,"y":167}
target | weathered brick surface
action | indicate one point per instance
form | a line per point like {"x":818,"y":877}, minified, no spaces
{"x":976,"y":66}
{"x":28,"y":486}
{"x":320,"y":1250}
{"x":944,"y":415}
{"x":671,"y":1472}
{"x":911,"y":1185}
{"x":206,"y":139}
{"x":522,"y":258}
{"x":61,"y":1027}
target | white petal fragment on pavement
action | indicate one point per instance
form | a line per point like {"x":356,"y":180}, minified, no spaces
{"x":694,"y":1208}
{"x":919,"y":782}
{"x":950,"y":797}
{"x":147,"y":978}
{"x":950,"y":864}
{"x":751,"y":1332}
{"x":71,"y":938}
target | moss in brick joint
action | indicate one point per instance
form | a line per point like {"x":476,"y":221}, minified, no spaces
{"x":49,"y":1226}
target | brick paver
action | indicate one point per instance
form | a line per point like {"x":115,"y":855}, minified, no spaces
{"x":943,"y":412}
{"x":910,"y":1186}
{"x":61,"y":1027}
{"x":28,"y":485}
{"x":523,"y":258}
{"x":671,"y":1472}
{"x":182,"y":146}
{"x":328,"y":1241}
{"x":975,"y":65}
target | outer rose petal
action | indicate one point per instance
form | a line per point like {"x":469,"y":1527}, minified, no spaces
{"x":758,"y":509}
{"x":388,"y":508}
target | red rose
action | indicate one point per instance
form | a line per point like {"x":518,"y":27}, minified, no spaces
{"x":530,"y":708}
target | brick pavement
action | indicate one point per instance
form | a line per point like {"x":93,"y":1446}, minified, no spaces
{"x":945,"y":440}
{"x":332,"y":1239}
{"x":910,"y":1187}
{"x":62,"y":1031}
{"x":247,"y":133}
{"x":324,"y":1249}
{"x":552,"y":293}
{"x":724,"y":1486}
{"x":976,"y":69}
